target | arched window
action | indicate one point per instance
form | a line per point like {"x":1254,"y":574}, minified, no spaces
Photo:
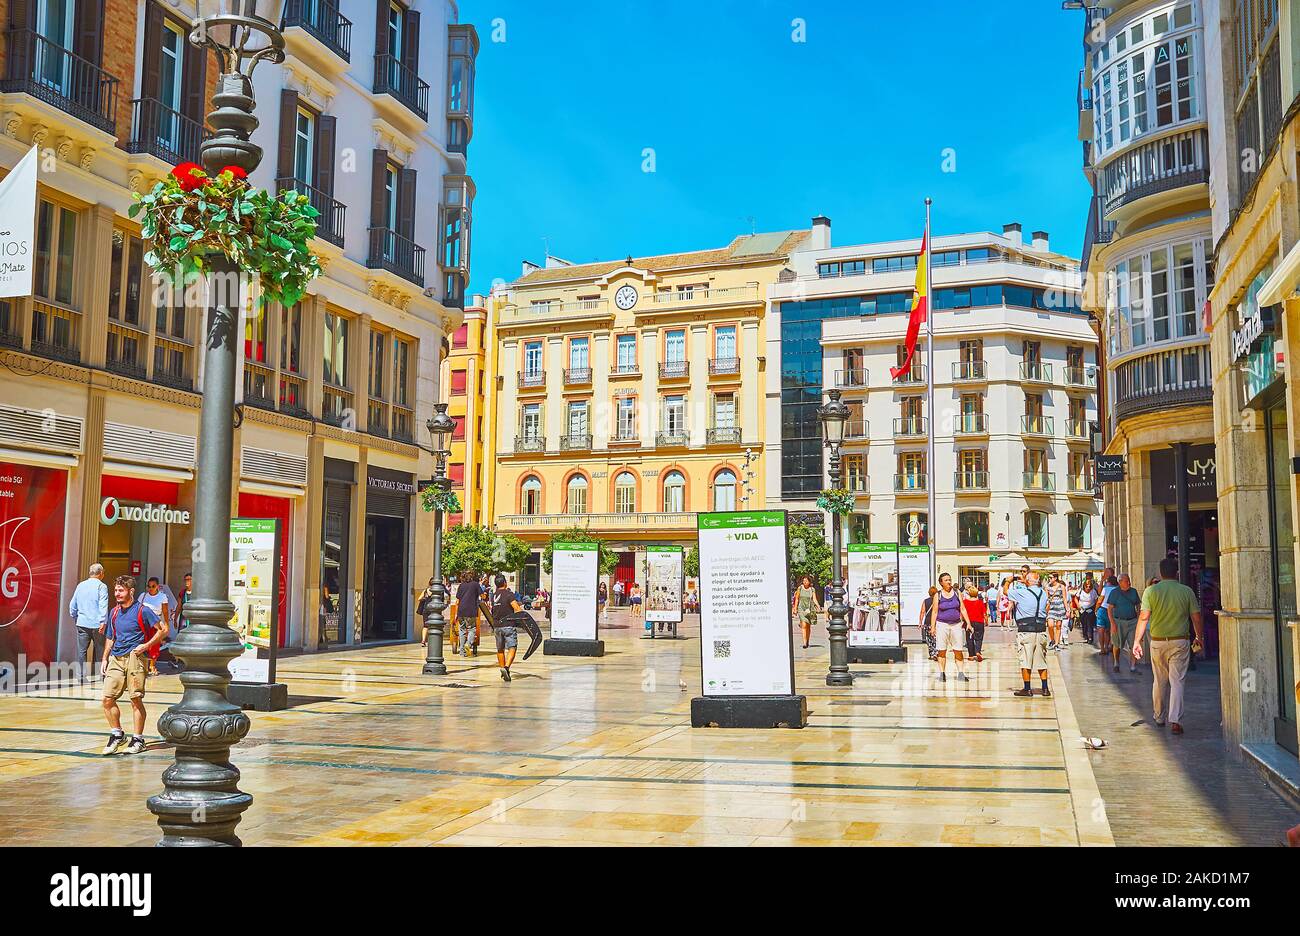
{"x":530,"y":503}
{"x":973,"y":528}
{"x":1079,"y":526}
{"x":575,"y":495}
{"x":674,"y":492}
{"x":724,"y":490}
{"x":625,"y":493}
{"x":1035,"y":529}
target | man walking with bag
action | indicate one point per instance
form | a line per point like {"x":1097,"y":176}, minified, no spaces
{"x":1167,"y":606}
{"x":89,"y":610}
{"x":1029,"y":609}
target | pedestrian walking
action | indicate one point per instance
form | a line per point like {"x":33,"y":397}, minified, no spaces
{"x":618,"y":593}
{"x":1122,"y":606}
{"x":602,"y":597}
{"x":503,"y":605}
{"x":1055,"y":611}
{"x":133,"y":630}
{"x":1004,"y":603}
{"x":1085,"y":602}
{"x":1029,"y":608}
{"x":634,"y":600}
{"x":991,"y":596}
{"x":927,"y":632}
{"x":1167,"y":607}
{"x":468,"y":596}
{"x":89,"y":611}
{"x":1108,"y":582}
{"x":948,"y":624}
{"x":977,"y":611}
{"x":155,"y":599}
{"x":805,"y":606}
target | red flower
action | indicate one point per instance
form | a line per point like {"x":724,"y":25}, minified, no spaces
{"x":235,"y":172}
{"x":189,"y":176}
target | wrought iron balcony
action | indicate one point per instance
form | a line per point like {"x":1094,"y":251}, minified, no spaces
{"x":969,"y":371}
{"x":914,"y":375}
{"x":911,"y":426}
{"x":723,"y":435}
{"x":332,"y":216}
{"x":529,"y":379}
{"x":970,"y":481}
{"x":853,"y":378}
{"x":397,"y":254}
{"x":969,"y":424}
{"x":1158,"y":166}
{"x":530,"y":443}
{"x":575,"y":442}
{"x":167,"y":134}
{"x":321,"y":19}
{"x":673,"y":438}
{"x":1163,"y":380}
{"x":392,"y":77}
{"x":625,"y":370}
{"x":59,"y":77}
{"x":722,"y":367}
{"x":911,"y":483}
{"x":56,"y":332}
{"x":577,"y":376}
{"x":674,"y":370}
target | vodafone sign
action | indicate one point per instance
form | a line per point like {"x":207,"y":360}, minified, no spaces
{"x":112,"y":510}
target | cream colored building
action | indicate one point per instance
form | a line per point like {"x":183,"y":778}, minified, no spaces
{"x":629,"y":395}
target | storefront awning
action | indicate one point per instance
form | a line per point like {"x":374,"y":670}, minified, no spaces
{"x":274,"y":490}
{"x":1282,"y":284}
{"x":131,"y":470}
{"x":47,"y":459}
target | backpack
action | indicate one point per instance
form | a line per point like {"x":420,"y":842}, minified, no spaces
{"x":145,"y":629}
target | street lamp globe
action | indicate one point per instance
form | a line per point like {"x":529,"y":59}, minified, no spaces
{"x":440,"y":425}
{"x":833,"y":414}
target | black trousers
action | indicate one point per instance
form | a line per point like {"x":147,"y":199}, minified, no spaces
{"x":975,"y":643}
{"x":1088,"y":624}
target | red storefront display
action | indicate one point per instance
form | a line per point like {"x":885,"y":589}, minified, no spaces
{"x":33,"y":507}
{"x":266,"y":507}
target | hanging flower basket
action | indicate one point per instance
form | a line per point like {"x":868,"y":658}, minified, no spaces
{"x":190,"y":217}
{"x":837,"y":501}
{"x":431,"y":499}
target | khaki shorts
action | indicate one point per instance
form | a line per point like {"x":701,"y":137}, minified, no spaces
{"x":125,"y":674}
{"x":1123,"y":631}
{"x":1031,"y":650}
{"x":949,"y":637}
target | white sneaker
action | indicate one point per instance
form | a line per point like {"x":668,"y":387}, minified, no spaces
{"x":115,"y":741}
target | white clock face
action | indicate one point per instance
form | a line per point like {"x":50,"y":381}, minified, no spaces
{"x":626,"y":297}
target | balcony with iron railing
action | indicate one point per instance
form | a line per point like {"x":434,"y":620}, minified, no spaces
{"x":677,"y":437}
{"x":912,"y":376}
{"x":577,"y":376}
{"x":970,"y":481}
{"x":125,"y":350}
{"x":164,"y":133}
{"x":56,"y":332}
{"x":700,"y":295}
{"x":625,"y":435}
{"x":856,"y":429}
{"x":377,"y":417}
{"x":674,"y":370}
{"x":1162,"y":380}
{"x":857,"y":484}
{"x":336,"y":407}
{"x":173,"y":363}
{"x":969,"y":371}
{"x":61,"y":78}
{"x":625,"y":370}
{"x":1035,"y":424}
{"x":1041,"y":482}
{"x":259,"y":385}
{"x":293,"y":396}
{"x":1035,"y":372}
{"x":1162,"y":165}
{"x":575,"y":442}
{"x":529,"y":443}
{"x":532,"y":379}
{"x":403,"y":424}
{"x":852,"y":378}
{"x":394,"y":78}
{"x":970,"y":424}
{"x":331,"y":213}
{"x":909,"y":427}
{"x":911,"y":483}
{"x":323,"y":21}
{"x":1084,"y":377}
{"x":723,"y":435}
{"x":724,"y":367}
{"x":397,"y":254}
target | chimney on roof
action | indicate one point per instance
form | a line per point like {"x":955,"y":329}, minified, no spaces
{"x":821,"y":233}
{"x":1041,"y":241}
{"x":1012,"y":233}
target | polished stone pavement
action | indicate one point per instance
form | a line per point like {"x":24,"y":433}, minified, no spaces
{"x":585,"y":751}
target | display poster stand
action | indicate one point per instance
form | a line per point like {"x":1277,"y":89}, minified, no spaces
{"x":255,"y":550}
{"x":575,"y":618}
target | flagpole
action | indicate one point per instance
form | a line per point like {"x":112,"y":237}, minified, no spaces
{"x":931,"y":522}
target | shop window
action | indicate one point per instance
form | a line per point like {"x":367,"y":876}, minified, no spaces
{"x":1035,"y":529}
{"x":973,"y":529}
{"x":1079,"y":526}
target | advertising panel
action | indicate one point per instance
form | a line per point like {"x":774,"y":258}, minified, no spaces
{"x":33,"y":504}
{"x":574,"y":573}
{"x":873,"y":595}
{"x":255,"y":593}
{"x":663,"y":598}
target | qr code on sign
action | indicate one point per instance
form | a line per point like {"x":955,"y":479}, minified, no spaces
{"x":561,"y":613}
{"x":721,"y":649}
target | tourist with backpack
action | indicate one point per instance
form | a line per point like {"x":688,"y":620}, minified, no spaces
{"x":133,"y":632}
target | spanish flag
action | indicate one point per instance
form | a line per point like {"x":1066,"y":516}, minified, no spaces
{"x":920,"y":304}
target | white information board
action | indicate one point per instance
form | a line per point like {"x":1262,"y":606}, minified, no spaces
{"x":254,"y":591}
{"x":663,"y":575}
{"x":746,"y":642}
{"x":873,"y":596}
{"x":574,"y":571}
{"x":913,"y":581}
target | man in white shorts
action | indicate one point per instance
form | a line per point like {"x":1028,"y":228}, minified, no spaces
{"x":1029,"y":609}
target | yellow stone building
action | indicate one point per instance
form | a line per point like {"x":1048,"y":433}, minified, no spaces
{"x":464,"y":387}
{"x":630,"y":395}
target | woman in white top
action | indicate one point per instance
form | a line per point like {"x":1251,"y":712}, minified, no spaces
{"x":1085,"y":600}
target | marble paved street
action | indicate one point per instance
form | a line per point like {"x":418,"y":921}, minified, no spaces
{"x":578,"y":751}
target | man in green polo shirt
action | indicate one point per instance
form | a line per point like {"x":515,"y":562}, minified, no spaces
{"x":1167,"y":606}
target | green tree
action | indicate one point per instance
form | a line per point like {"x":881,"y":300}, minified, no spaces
{"x":691,"y":563}
{"x":477,"y":549}
{"x":810,"y":554}
{"x":607,"y":562}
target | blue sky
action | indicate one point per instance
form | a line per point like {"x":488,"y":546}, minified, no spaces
{"x":747,"y":123}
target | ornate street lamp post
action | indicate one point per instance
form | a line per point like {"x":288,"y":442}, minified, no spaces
{"x":201,"y":802}
{"x":833,"y":415}
{"x":440,"y":426}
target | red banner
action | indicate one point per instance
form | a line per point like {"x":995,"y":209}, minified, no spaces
{"x":33,"y":505}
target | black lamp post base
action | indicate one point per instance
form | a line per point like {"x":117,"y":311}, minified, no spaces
{"x":260,"y":697}
{"x":839,"y":679}
{"x":561,"y":646}
{"x":877,"y":654}
{"x":434,"y":669}
{"x":778,"y":711}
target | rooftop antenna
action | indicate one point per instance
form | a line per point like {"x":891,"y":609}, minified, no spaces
{"x":752,"y":220}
